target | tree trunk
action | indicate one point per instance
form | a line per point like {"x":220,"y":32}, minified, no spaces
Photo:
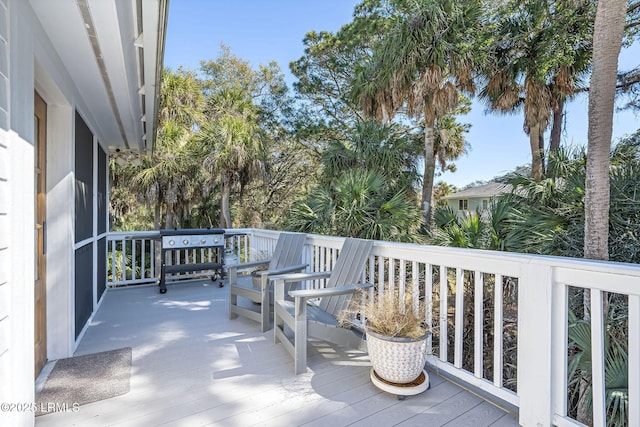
{"x":385,"y":115}
{"x":225,"y":211}
{"x":556,"y":128}
{"x":429,"y":171}
{"x":156,"y":216}
{"x":536,"y":153}
{"x":541,"y":151}
{"x":169,"y":218}
{"x":607,"y":40}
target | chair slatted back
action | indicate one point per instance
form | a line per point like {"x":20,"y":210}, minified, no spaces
{"x":351,"y":261}
{"x":288,"y":250}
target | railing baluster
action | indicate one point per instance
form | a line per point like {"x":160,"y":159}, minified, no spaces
{"x":324,"y":256}
{"x":391,"y":278}
{"x":459,"y":322}
{"x":143,"y":264}
{"x":560,"y":316}
{"x":597,"y":359}
{"x":401,"y":280}
{"x":498,"y":334}
{"x":443,"y":313}
{"x":372,"y":270}
{"x":478,"y":329}
{"x":428,"y":295}
{"x":133,"y":260}
{"x":114,"y":270}
{"x":381,"y":282}
{"x":415,"y":286}
{"x":153,"y":258}
{"x":124,"y":259}
{"x":634,"y":361}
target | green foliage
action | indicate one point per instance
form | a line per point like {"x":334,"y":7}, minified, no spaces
{"x":615,"y":367}
{"x":467,"y":231}
{"x":419,"y":66}
{"x":441,"y":190}
{"x":358,"y":204}
{"x":530,"y":68}
{"x":366,"y":188}
{"x":165,"y":181}
{"x":219,"y":132}
{"x":548,"y":215}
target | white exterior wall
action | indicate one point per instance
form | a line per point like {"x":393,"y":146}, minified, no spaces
{"x":33,"y":65}
{"x":16,"y":384}
{"x":16,"y":251}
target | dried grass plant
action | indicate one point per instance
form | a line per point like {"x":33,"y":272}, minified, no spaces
{"x":387,"y":314}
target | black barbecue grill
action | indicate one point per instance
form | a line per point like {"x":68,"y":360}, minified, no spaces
{"x":196,"y":238}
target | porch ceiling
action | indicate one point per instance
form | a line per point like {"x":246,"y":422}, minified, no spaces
{"x":113,"y":51}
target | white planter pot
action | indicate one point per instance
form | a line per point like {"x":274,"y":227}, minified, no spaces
{"x":397,"y":360}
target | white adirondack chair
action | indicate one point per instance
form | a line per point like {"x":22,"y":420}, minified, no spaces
{"x":319,"y":320}
{"x":285,"y":259}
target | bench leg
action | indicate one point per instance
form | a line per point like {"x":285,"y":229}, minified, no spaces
{"x":300,"y":339}
{"x":163,"y":284}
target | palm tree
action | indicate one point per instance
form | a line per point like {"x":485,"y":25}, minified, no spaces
{"x":607,"y":41}
{"x":367,"y":188}
{"x":360,"y":203}
{"x":421,"y":66}
{"x":533,"y":69}
{"x":450,"y":136}
{"x":165,"y":179}
{"x":232,"y":142}
{"x":181,"y":99}
{"x":374,"y":146}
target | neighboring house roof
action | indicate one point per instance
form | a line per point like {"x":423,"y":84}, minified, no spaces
{"x":113,"y":51}
{"x":491,"y":189}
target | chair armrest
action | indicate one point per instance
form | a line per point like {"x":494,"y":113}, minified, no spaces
{"x":248,"y":265}
{"x":297,"y":277}
{"x":280,"y":280}
{"x":327,"y":292}
{"x":288,"y":269}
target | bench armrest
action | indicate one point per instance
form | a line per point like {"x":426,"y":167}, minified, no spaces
{"x":297,"y":277}
{"x":282,"y":270}
{"x":248,"y":265}
{"x":327,"y":292}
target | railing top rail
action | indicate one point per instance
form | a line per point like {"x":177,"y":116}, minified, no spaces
{"x":129,"y":235}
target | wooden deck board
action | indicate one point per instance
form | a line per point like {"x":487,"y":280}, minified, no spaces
{"x":193,"y":366}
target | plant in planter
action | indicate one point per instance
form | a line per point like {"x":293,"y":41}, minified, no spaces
{"x":396,"y":335}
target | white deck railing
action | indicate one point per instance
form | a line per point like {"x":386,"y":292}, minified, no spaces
{"x":521,"y":323}
{"x":134,"y":258}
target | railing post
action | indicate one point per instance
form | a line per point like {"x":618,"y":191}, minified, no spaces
{"x":535,"y":322}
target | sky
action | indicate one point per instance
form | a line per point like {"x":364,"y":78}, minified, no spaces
{"x":261,"y":31}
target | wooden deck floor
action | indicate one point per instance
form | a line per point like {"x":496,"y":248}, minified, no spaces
{"x":192,"y":366}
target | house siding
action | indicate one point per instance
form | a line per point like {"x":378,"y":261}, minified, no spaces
{"x":16,"y":327}
{"x":4,"y":66}
{"x":4,"y":264}
{"x":5,"y":161}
